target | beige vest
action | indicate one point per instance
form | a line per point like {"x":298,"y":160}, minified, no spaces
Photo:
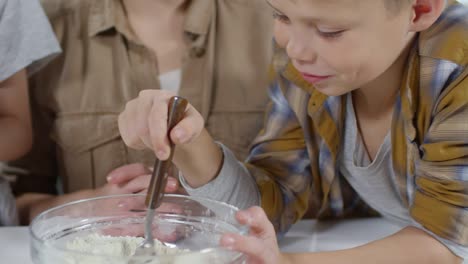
{"x":77,"y":98}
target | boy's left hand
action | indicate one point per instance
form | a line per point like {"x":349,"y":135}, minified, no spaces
{"x":260,"y":246}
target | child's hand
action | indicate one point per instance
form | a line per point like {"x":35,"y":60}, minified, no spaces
{"x":143,"y":123}
{"x":260,"y":245}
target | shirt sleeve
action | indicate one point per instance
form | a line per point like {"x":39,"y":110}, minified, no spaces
{"x":8,"y":214}
{"x":233,"y":185}
{"x":440,"y":202}
{"x":279,"y":162}
{"x":26,"y":37}
{"x":276,"y":174}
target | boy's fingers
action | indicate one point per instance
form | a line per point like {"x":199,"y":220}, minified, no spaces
{"x":126,"y":173}
{"x":188,"y":128}
{"x":256,"y":219}
{"x":126,"y":122}
{"x":144,"y":123}
{"x":157,"y":124}
{"x":252,"y":246}
{"x":144,"y":107}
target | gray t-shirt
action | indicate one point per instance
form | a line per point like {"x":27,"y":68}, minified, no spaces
{"x":8,"y":215}
{"x":26,"y":37}
{"x":373,"y":179}
{"x":26,"y":41}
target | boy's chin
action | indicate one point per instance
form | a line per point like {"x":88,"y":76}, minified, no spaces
{"x":331,"y":90}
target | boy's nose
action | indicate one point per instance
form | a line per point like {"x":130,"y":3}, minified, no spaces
{"x":298,"y":50}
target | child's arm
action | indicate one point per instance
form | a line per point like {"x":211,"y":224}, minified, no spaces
{"x":410,"y":245}
{"x":278,"y":160}
{"x":15,"y":119}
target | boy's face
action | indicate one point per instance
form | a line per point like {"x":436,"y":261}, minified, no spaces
{"x":341,"y":45}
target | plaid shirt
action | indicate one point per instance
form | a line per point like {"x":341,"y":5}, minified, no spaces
{"x":294,"y":158}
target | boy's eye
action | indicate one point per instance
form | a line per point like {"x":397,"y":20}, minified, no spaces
{"x":281,"y":18}
{"x":331,"y":34}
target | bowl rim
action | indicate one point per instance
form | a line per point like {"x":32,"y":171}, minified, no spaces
{"x":243,"y":229}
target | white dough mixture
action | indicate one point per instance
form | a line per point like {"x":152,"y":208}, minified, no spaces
{"x":119,"y":251}
{"x":91,"y":249}
{"x":123,"y":246}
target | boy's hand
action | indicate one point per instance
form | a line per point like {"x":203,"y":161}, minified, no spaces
{"x":143,"y":123}
{"x":260,"y":245}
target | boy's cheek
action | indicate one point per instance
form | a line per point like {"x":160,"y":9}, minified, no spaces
{"x":281,"y":34}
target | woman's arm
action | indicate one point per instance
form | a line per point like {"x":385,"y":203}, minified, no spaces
{"x":128,"y":179}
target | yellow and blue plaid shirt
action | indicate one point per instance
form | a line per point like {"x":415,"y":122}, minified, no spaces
{"x":294,"y":158}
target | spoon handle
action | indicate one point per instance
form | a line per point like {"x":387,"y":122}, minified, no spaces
{"x":176,"y":111}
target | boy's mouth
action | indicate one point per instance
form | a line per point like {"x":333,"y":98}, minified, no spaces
{"x":313,"y":79}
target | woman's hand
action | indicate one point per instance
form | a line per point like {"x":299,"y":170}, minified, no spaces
{"x":135,"y":178}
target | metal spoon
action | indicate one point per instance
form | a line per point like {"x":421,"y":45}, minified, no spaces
{"x":176,"y":111}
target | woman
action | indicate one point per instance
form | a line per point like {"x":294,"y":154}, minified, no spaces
{"x":211,"y":52}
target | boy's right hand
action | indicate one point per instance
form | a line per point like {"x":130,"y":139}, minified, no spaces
{"x":143,"y":123}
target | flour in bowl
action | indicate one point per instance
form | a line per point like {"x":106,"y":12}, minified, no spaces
{"x":111,"y":246}
{"x":102,"y":249}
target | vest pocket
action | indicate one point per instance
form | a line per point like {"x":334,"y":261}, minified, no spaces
{"x":89,"y":147}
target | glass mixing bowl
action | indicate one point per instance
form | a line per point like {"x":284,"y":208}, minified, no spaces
{"x":192,"y":224}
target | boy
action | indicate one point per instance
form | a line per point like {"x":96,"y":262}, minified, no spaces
{"x":25,"y":40}
{"x":367,"y":94}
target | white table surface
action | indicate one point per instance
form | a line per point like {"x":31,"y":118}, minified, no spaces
{"x":312,"y":236}
{"x":306,"y":235}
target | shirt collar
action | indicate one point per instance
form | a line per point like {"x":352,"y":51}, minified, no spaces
{"x":447,"y":38}
{"x":101,"y":16}
{"x":199,"y":16}
{"x":107,"y":14}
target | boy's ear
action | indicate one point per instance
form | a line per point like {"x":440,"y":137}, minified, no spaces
{"x":425,"y":13}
